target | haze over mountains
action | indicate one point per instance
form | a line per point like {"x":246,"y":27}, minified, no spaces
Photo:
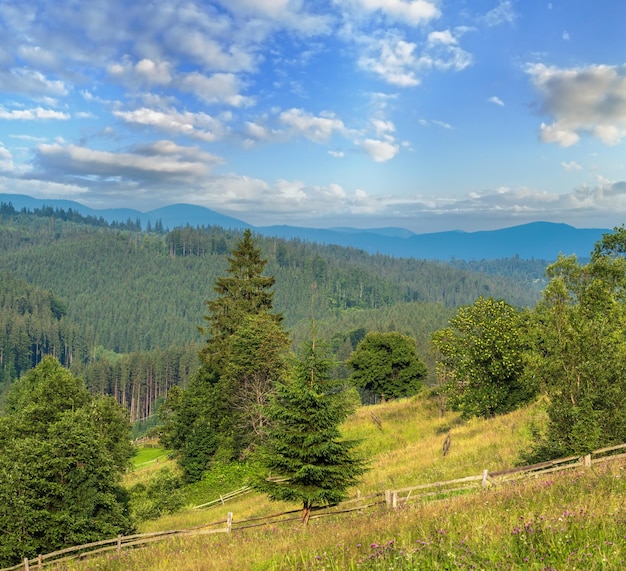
{"x":538,"y":240}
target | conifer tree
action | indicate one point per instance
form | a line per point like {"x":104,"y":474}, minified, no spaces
{"x":244,"y":291}
{"x":304,"y":457}
{"x":221,"y":413}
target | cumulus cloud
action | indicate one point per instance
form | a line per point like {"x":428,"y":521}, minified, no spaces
{"x":496,"y":101}
{"x":197,"y":125}
{"x":400,"y":63}
{"x":380,"y":150}
{"x":413,"y":12}
{"x":32,"y":114}
{"x":393,"y":59}
{"x":145,"y":72}
{"x":217,"y":88}
{"x":586,"y":100}
{"x":315,"y":128}
{"x":30,"y":82}
{"x":152,"y":165}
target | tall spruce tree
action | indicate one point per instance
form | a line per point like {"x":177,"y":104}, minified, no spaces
{"x":304,"y":457}
{"x":220,"y":414}
{"x":244,"y":291}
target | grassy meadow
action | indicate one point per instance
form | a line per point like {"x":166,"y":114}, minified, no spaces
{"x":572,"y":520}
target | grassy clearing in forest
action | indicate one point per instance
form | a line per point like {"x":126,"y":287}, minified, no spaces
{"x":574,"y":520}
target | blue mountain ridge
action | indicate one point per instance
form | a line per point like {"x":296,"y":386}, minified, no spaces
{"x":538,"y":240}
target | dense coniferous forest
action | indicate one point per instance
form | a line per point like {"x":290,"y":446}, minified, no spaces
{"x":123,"y":306}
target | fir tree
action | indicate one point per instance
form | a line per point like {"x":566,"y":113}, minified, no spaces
{"x":220,"y":415}
{"x":304,"y":457}
{"x":244,"y":291}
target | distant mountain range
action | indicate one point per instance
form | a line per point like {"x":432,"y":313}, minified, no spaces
{"x":538,"y":240}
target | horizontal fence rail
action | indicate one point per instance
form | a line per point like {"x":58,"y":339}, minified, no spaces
{"x":390,"y":498}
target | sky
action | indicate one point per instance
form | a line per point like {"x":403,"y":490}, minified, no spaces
{"x":428,"y":115}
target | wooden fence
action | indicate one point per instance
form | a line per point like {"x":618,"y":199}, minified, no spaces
{"x":390,"y":498}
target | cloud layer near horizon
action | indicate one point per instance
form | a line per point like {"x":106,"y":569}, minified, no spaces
{"x":281,"y":110}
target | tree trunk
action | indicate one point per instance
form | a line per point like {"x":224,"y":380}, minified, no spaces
{"x":306,"y":514}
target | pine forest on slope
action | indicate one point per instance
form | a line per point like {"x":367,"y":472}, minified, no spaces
{"x":145,"y":293}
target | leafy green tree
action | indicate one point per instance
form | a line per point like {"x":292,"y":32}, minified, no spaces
{"x":257,"y":362}
{"x":580,"y":350}
{"x":161,"y":495}
{"x":61,"y":462}
{"x":304,"y":457}
{"x":483,"y":353}
{"x":387,"y":364}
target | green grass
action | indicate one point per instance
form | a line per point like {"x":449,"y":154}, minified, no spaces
{"x":148,"y":454}
{"x":574,"y":520}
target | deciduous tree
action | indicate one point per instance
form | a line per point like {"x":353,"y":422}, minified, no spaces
{"x":581,"y":350}
{"x":483,"y":353}
{"x":387,"y":364}
{"x":62,"y":455}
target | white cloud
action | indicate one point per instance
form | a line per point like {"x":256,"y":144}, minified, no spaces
{"x":571,"y":166}
{"x":38,"y":56}
{"x":503,"y":13}
{"x":197,"y":125}
{"x":442,"y":37}
{"x":441,"y":124}
{"x":392,"y":59}
{"x":337,"y":154}
{"x":30,"y":82}
{"x":6,"y":159}
{"x":412,"y":12}
{"x":380,"y":150}
{"x":218,"y":88}
{"x":32,"y":114}
{"x":41,"y":188}
{"x":400,"y":63}
{"x":315,"y":128}
{"x":496,"y":101}
{"x":589,"y":100}
{"x":437,"y":123}
{"x":290,"y":14}
{"x":565,"y":35}
{"x":154,"y":165}
{"x":144,"y":72}
{"x":383,"y":127}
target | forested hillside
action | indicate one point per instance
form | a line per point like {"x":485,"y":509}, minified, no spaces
{"x":128,"y":293}
{"x":32,"y":325}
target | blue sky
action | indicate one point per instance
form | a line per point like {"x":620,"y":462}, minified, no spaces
{"x":423,"y":114}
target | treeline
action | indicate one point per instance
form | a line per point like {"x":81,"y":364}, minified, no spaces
{"x":139,"y":381}
{"x":32,"y":325}
{"x":127,"y":292}
{"x":71,"y":215}
{"x":142,"y":294}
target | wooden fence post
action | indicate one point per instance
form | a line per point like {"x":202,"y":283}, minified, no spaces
{"x":485,"y":481}
{"x":388,"y":498}
{"x":26,"y":567}
{"x":39,"y":561}
{"x":229,"y":522}
{"x":119,"y":543}
{"x":587,"y":461}
{"x":394,"y":500}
